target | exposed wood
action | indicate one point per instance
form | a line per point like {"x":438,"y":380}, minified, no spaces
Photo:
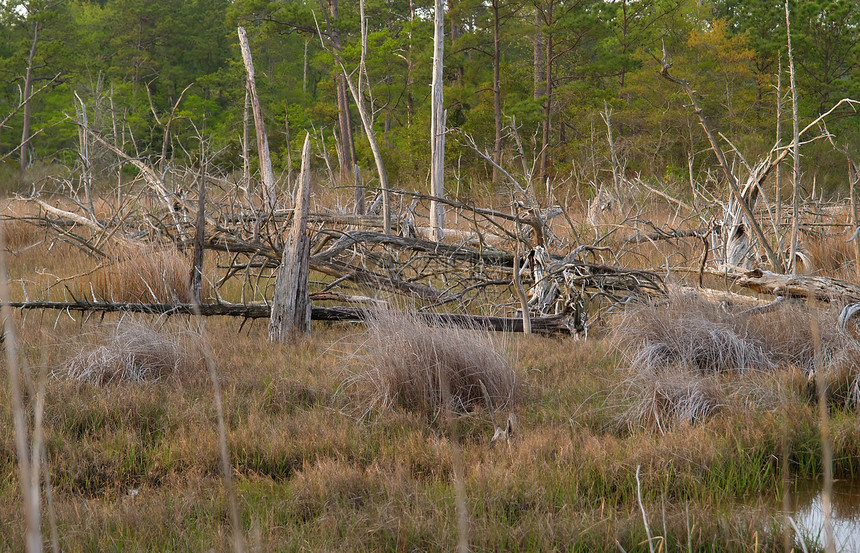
{"x":246,"y":147}
{"x":437,"y":127}
{"x":86,"y":170}
{"x":821,"y":288}
{"x":291,"y":306}
{"x":670,"y":234}
{"x":795,"y":150}
{"x":268,"y":175}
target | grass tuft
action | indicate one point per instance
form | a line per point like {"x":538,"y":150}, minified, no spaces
{"x":134,"y":352}
{"x":425,"y":369}
{"x":679,"y":352}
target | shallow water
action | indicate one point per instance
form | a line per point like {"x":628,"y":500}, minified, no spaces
{"x":807,"y":511}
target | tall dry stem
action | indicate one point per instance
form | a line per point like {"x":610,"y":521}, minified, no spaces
{"x":29,"y":492}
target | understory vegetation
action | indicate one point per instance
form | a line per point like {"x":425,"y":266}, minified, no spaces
{"x":340,"y":442}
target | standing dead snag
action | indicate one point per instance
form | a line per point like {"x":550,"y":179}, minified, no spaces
{"x":262,"y":140}
{"x":437,"y":129}
{"x":291,"y":305}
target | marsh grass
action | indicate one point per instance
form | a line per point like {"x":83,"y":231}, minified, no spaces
{"x":688,"y":358}
{"x":131,"y":351}
{"x":137,"y":466}
{"x":403,"y":362}
{"x":140,"y":275}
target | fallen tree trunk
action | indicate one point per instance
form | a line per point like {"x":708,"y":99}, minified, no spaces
{"x":556,"y":324}
{"x":821,"y":288}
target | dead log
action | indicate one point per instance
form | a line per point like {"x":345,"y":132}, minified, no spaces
{"x":291,"y":306}
{"x":556,"y":324}
{"x":821,"y":288}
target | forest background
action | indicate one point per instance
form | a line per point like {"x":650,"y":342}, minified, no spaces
{"x":559,"y":65}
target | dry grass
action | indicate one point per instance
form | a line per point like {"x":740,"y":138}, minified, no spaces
{"x":830,"y":253}
{"x":136,"y":352}
{"x":406,"y":363}
{"x":140,"y":275}
{"x":687,"y":356}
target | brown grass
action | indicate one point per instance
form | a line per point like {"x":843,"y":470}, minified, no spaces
{"x":141,"y":275}
{"x":829,"y":253}
{"x":680,"y":355}
{"x":406,"y":363}
{"x":134,"y":352}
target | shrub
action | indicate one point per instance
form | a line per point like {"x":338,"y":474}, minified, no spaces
{"x":135,"y":352}
{"x":425,"y":369}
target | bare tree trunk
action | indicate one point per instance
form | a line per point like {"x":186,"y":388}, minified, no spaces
{"x":437,"y":128}
{"x":246,"y":148}
{"x":853,"y":183}
{"x":795,"y":150}
{"x":196,"y":280}
{"x":28,"y":86}
{"x":497,"y":92}
{"x":778,"y":144}
{"x":291,"y":304}
{"x":347,"y":146}
{"x":305,"y":70}
{"x":360,"y":208}
{"x":547,"y":105}
{"x":262,"y":140}
{"x":121,"y":144}
{"x":83,"y":138}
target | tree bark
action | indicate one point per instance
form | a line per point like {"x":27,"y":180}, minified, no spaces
{"x":291,"y":304}
{"x":360,"y":208}
{"x":262,"y":140}
{"x":437,"y":128}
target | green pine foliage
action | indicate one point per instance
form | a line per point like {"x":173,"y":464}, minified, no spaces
{"x":130,"y":61}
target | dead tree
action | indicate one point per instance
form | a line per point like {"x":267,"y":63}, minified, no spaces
{"x":28,"y":85}
{"x":262,"y":140}
{"x":437,"y":128}
{"x":367,"y":125}
{"x":291,"y":306}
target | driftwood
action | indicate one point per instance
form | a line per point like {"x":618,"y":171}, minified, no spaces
{"x":556,"y":324}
